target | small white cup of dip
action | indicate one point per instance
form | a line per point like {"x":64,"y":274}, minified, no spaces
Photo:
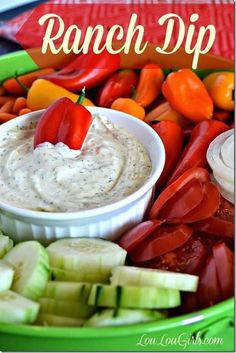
{"x":107,"y":222}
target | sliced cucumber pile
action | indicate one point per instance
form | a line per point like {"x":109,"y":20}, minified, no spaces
{"x":133,"y":297}
{"x":55,"y":320}
{"x":16,"y":309}
{"x":89,"y":257}
{"x":135,"y":276}
{"x":70,"y":291}
{"x":6,"y":275}
{"x":82,"y":282}
{"x":117,"y":317}
{"x":6,"y":244}
{"x":31,"y":265}
{"x":65,"y":308}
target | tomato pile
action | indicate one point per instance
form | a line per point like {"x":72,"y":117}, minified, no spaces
{"x":190,"y":226}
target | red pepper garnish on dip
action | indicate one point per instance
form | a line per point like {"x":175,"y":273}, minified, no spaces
{"x":64,"y":121}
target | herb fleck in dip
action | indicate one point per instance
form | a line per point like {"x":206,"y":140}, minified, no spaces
{"x":111,"y":165}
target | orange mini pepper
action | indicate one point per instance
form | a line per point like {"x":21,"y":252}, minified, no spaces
{"x":13,"y":86}
{"x":149,"y":85}
{"x":128,"y":106}
{"x":164,"y":112}
{"x":187,"y":94}
{"x":220,"y":86}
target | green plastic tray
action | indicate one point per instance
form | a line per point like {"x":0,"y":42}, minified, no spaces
{"x":211,"y":329}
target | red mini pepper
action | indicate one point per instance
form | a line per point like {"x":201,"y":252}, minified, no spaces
{"x":194,"y":154}
{"x":172,"y":137}
{"x":64,"y":121}
{"x":119,"y":85}
{"x":87,"y":70}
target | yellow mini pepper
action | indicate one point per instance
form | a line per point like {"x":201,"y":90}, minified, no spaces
{"x":42,"y":93}
{"x":220,"y":86}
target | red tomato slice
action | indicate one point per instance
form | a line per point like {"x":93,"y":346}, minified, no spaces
{"x":189,"y":258}
{"x":208,"y":206}
{"x":215,"y":226}
{"x":209,"y":289}
{"x":221,"y":223}
{"x":224,"y":259}
{"x":163,"y":240}
{"x":183,"y":201}
{"x":135,"y":235}
{"x":225,"y":211}
{"x":194,"y":173}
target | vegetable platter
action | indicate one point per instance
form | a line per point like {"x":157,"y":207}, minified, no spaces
{"x":162,"y":302}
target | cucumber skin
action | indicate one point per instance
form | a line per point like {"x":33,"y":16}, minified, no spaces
{"x":36,"y":284}
{"x":117,"y":317}
{"x":134,"y":297}
{"x":58,"y":321}
{"x":73,"y":276}
{"x":68,"y":291}
{"x":65,"y":308}
{"x":17,"y":315}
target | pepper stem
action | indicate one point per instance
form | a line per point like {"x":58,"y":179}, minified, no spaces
{"x":21,"y":84}
{"x":81,"y":97}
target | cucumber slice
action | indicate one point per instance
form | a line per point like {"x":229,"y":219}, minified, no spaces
{"x":6,"y":244}
{"x":65,"y":308}
{"x":117,"y":317}
{"x":86,"y":255}
{"x":71,"y":291}
{"x":143,"y":277}
{"x":61,"y":321}
{"x":16,"y":309}
{"x":31,"y":265}
{"x":134,"y":297}
{"x":6,"y":275}
{"x":79,"y":276}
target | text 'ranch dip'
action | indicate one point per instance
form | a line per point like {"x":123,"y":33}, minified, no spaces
{"x":112,"y":164}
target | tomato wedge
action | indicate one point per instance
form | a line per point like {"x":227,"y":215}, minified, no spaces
{"x":189,"y":258}
{"x":221,"y":223}
{"x":135,"y":235}
{"x":199,"y":174}
{"x":184,"y":201}
{"x":207,"y":207}
{"x":225,"y":211}
{"x":209,"y":292}
{"x":215,"y":226}
{"x":224,"y":260}
{"x":162,"y":240}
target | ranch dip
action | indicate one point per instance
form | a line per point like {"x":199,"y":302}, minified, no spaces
{"x":111,"y":165}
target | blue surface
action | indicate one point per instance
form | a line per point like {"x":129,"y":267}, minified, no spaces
{"x":6,"y":46}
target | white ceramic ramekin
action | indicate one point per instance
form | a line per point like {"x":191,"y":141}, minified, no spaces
{"x":107,"y":222}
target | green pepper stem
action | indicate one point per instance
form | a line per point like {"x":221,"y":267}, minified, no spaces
{"x":81,"y":97}
{"x":21,"y":84}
